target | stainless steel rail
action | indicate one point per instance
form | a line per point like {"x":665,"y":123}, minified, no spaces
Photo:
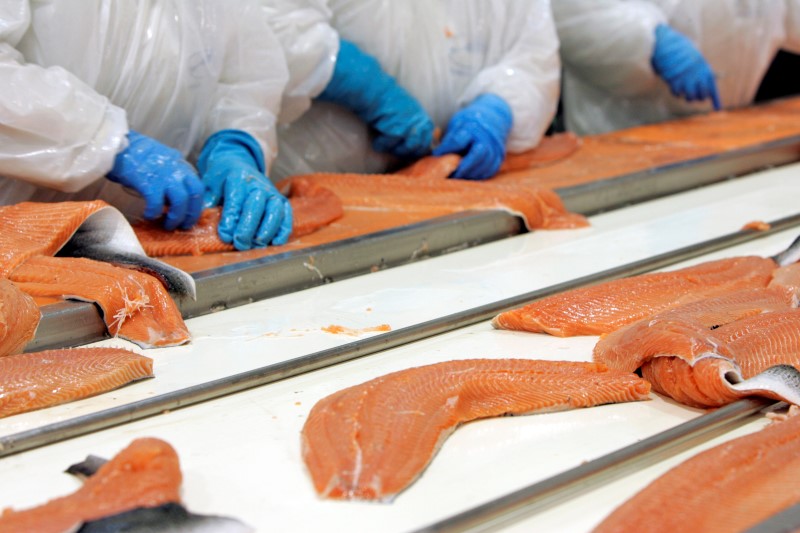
{"x":260,"y":376}
{"x":72,"y":324}
{"x":537,"y":497}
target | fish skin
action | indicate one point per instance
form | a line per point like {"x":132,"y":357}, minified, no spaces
{"x":606,"y":307}
{"x":36,"y":380}
{"x":135,"y":306}
{"x":145,"y":474}
{"x":728,"y":488}
{"x":372,"y":440}
{"x":19,"y":318}
{"x":313,"y":207}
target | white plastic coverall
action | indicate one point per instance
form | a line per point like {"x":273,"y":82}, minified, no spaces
{"x":77,"y":74}
{"x":606,"y":47}
{"x":444,"y":52}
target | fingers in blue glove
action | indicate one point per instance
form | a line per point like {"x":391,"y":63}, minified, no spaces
{"x":232,"y":212}
{"x":253,"y":212}
{"x":285,"y":230}
{"x":271,"y":223}
{"x":477,"y":164}
{"x":178,"y":201}
{"x":194,"y":190}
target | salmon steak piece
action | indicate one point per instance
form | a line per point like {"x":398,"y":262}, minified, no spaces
{"x":35,"y":380}
{"x":606,"y":307}
{"x":371,"y":441}
{"x":19,"y":318}
{"x":135,"y":306}
{"x":145,"y":474}
{"x":313,"y":207}
{"x":728,"y":488}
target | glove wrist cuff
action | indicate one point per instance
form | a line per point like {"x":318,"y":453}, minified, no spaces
{"x":231,"y":142}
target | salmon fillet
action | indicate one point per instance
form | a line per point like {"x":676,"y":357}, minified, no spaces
{"x":688,"y":331}
{"x":728,"y":488}
{"x":551,"y":149}
{"x":762,"y":341}
{"x":145,"y":474}
{"x":135,"y":306}
{"x":41,"y":379}
{"x":31,"y":228}
{"x":372,"y":440}
{"x":19,"y":318}
{"x":313,"y":207}
{"x":608,"y":306}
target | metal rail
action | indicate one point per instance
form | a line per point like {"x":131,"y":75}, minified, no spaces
{"x":537,"y":497}
{"x":74,"y":323}
{"x":260,"y":376}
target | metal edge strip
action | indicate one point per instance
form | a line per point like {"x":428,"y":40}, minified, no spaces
{"x":65,"y":429}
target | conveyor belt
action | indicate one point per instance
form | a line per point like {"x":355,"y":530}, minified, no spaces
{"x":73,"y":324}
{"x":54,"y":432}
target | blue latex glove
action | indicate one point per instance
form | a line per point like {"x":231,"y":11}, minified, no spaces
{"x":478,"y":132}
{"x":402,"y":126}
{"x":683,"y":67}
{"x":254,"y":213}
{"x":162,"y":177}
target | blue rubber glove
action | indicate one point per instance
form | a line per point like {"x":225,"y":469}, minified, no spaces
{"x":254,"y":213}
{"x":162,"y":177}
{"x":402,"y":126}
{"x":478,"y":132}
{"x":683,"y":67}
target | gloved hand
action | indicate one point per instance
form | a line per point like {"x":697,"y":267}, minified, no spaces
{"x":162,"y":176}
{"x":254,"y":213}
{"x":478,"y":132}
{"x":683,"y":67}
{"x":402,"y":126}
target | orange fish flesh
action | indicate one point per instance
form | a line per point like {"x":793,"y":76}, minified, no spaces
{"x":728,"y":488}
{"x":41,"y":379}
{"x":372,"y":440}
{"x":606,"y":307}
{"x":19,"y":318}
{"x":145,"y":474}
{"x":135,"y":305}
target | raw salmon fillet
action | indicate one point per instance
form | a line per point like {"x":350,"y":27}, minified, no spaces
{"x":372,"y":440}
{"x":430,"y":194}
{"x":19,"y":317}
{"x":145,"y":474}
{"x":551,"y":149}
{"x":31,"y":228}
{"x":135,"y":305}
{"x":313,"y":207}
{"x":608,"y":306}
{"x":41,"y":379}
{"x":728,"y":488}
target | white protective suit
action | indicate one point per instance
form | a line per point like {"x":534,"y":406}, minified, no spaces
{"x":78,"y":74}
{"x":607,"y":45}
{"x":443,"y":52}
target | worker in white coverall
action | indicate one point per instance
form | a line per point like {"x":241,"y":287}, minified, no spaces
{"x":631,"y":62}
{"x":126,"y":90}
{"x":383,"y":75}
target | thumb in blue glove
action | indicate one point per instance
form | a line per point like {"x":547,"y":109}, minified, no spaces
{"x":681,"y":65}
{"x":254,"y":213}
{"x":402,"y":127}
{"x":162,"y":177}
{"x":478,"y":132}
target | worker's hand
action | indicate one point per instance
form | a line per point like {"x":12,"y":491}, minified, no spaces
{"x":478,"y":132}
{"x":163,"y":178}
{"x":254,"y":213}
{"x":683,"y":67}
{"x":402,"y":126}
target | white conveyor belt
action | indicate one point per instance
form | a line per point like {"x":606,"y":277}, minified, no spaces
{"x":241,"y":453}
